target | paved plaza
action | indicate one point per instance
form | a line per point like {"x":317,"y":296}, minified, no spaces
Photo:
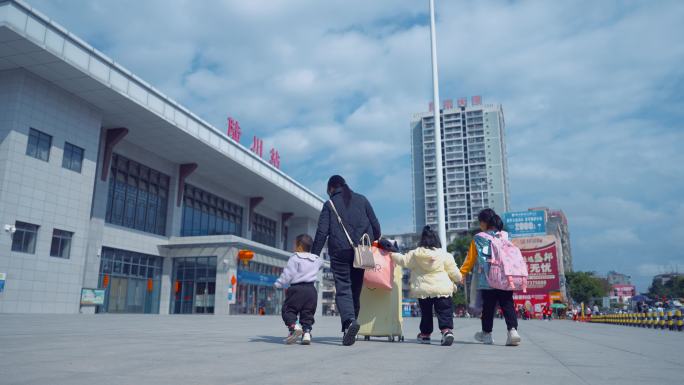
{"x":147,"y":349}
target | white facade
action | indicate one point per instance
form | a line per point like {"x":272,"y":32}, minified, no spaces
{"x":143,"y":252}
{"x":474,"y":165}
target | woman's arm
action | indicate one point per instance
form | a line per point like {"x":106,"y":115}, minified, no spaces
{"x":470,"y":259}
{"x":322,"y":231}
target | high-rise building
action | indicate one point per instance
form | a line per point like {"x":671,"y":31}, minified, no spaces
{"x":474,"y":163}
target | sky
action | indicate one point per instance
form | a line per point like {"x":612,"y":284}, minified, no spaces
{"x":592,"y":92}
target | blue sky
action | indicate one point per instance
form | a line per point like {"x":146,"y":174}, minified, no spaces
{"x":593,"y":95}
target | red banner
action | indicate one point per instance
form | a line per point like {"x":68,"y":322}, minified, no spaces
{"x":532,"y":302}
{"x":541,"y":255}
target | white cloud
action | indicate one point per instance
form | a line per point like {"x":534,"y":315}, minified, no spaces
{"x":650,"y":269}
{"x":592,"y":93}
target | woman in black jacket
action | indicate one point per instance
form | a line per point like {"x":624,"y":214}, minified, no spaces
{"x":358,"y":218}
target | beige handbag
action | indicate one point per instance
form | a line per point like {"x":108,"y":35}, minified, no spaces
{"x":363,"y":253}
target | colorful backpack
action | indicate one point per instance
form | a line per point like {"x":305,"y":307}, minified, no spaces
{"x":507,"y":267}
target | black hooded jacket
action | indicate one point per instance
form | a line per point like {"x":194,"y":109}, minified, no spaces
{"x":358,"y":218}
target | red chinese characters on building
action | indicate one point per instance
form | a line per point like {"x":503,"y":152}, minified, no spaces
{"x":462,"y":102}
{"x":448,"y":104}
{"x":257,"y":146}
{"x":275,"y":158}
{"x":476,"y":100}
{"x":431,"y":106}
{"x":234,"y":131}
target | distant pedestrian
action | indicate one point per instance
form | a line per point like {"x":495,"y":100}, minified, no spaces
{"x":358,"y":218}
{"x":301,"y":274}
{"x":434,"y":274}
{"x":478,"y":255}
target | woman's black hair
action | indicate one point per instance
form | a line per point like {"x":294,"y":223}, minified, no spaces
{"x":491,"y":218}
{"x":429,"y":239}
{"x":336,"y":182}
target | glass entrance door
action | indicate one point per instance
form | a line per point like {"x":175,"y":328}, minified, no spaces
{"x":117,"y":295}
{"x":132,"y":281}
{"x":194,"y":286}
{"x":204,"y":297}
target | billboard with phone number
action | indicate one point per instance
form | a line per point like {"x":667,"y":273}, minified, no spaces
{"x":525,"y":223}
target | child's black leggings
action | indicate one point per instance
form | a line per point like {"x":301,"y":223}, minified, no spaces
{"x":444,"y":308}
{"x":504,"y":298}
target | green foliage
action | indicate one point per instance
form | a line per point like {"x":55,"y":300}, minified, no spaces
{"x":674,"y":288}
{"x":459,"y":247}
{"x":459,"y":298}
{"x":584,"y":286}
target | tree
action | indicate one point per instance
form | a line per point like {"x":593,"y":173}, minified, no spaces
{"x":585,"y":286}
{"x":459,"y":247}
{"x":459,"y":298}
{"x":673,"y":288}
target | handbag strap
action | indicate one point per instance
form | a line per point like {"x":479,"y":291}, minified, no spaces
{"x":339,"y":219}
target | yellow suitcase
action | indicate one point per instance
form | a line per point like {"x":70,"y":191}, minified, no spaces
{"x":381,"y":314}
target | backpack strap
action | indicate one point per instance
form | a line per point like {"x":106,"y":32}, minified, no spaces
{"x":339,"y":219}
{"x":485,"y":235}
{"x":492,"y":239}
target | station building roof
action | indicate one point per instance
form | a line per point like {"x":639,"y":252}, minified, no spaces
{"x":34,"y":42}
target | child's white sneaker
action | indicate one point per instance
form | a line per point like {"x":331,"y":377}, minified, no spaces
{"x":513,"y":338}
{"x":447,"y":338}
{"x":306,"y":338}
{"x":295,"y":334}
{"x":485,"y":338}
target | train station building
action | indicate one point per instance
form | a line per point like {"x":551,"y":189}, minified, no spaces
{"x":111,"y":192}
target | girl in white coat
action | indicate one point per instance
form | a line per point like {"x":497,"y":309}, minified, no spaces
{"x":433,"y":277}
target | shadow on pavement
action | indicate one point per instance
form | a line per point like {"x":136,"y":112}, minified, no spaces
{"x":315,"y":340}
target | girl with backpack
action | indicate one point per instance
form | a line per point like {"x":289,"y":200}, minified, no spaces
{"x":433,"y":275}
{"x":479,"y":260}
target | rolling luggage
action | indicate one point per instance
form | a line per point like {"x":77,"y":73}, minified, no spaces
{"x":381,"y":314}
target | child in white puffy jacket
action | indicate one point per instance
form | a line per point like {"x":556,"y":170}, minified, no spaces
{"x":434,"y":274}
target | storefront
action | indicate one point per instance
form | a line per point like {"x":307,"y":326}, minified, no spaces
{"x":204,"y":275}
{"x":255,"y":291}
{"x":194,"y":285}
{"x":131,"y":281}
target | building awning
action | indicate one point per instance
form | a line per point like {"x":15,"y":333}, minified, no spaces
{"x":225,"y":248}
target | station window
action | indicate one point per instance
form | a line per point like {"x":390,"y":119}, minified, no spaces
{"x":24,"y":237}
{"x":207,"y":214}
{"x":264,"y":230}
{"x":73,"y":157}
{"x":138,"y":196}
{"x":61,"y":244}
{"x":39,"y":145}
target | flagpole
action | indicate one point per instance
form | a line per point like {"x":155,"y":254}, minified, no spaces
{"x":438,"y":132}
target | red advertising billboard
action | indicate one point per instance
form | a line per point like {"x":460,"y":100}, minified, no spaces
{"x":541,"y":255}
{"x":531,"y":302}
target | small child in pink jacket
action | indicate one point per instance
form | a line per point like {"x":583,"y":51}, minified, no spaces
{"x":301,"y":298}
